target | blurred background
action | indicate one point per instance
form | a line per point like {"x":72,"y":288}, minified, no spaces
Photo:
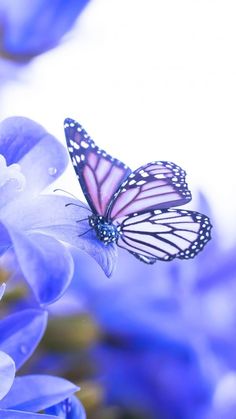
{"x":149,"y":81}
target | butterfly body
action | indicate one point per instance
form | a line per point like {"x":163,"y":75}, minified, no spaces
{"x":105,"y":230}
{"x":135,"y":209}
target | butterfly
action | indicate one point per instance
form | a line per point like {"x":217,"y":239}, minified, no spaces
{"x":135,"y":209}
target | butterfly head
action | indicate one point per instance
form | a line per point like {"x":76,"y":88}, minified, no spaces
{"x":105,"y":231}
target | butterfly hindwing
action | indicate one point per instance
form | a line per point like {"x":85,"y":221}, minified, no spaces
{"x":164,"y":234}
{"x":156,"y":185}
{"x":99,"y":174}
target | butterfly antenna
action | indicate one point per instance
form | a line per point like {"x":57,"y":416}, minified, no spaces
{"x":63,"y":190}
{"x":76,"y":205}
{"x":85,"y":232}
{"x":83,"y":219}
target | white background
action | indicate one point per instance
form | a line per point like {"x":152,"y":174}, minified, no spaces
{"x":153,"y":80}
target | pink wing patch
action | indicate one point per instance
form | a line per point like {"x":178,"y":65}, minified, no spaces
{"x":164,"y":234}
{"x":99,"y":174}
{"x":158,"y":185}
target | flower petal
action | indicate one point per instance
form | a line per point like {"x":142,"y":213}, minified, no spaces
{"x":21,"y":332}
{"x":30,"y":28}
{"x":37,"y":392}
{"x":46,"y":264}
{"x":7,"y":373}
{"x":5,"y":240}
{"x":70,"y":408}
{"x":16,"y":414}
{"x":41,"y":157}
{"x":2,"y":290}
{"x":50,"y":215}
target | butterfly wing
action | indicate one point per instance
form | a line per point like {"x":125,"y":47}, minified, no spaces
{"x":99,"y":174}
{"x":157,"y":185}
{"x":164,"y":234}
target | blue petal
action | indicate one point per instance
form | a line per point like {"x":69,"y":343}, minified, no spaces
{"x":50,"y":215}
{"x":21,"y":332}
{"x":41,"y":157}
{"x":5,"y":240}
{"x":14,"y":414}
{"x":31,"y":28}
{"x":2,"y":290}
{"x":45,"y":263}
{"x":7,"y":373}
{"x":68,"y":409}
{"x":37,"y":392}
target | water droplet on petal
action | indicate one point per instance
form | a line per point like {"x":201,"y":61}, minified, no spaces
{"x":52,"y":171}
{"x":23,"y":349}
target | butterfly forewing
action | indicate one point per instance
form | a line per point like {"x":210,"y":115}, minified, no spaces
{"x":164,"y":234}
{"x":99,"y":174}
{"x":157,"y":185}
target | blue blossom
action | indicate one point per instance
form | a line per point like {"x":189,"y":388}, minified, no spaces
{"x":31,"y":159}
{"x":24,"y":396}
{"x":29,"y":28}
{"x":32,"y":224}
{"x":168,"y":347}
{"x":68,"y":409}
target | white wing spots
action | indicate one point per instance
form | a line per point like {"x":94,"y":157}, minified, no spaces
{"x":77,"y":157}
{"x":141,"y":182}
{"x":161,"y":176}
{"x":143,"y":173}
{"x":84,"y":144}
{"x":74,"y":145}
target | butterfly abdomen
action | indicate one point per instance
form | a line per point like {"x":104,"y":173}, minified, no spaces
{"x":105,"y":231}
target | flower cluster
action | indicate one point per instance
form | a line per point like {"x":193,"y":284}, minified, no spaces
{"x":30,"y":159}
{"x":26,"y":395}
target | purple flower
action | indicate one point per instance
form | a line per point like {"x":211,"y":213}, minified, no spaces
{"x":24,"y":396}
{"x":32,"y":224}
{"x":29,"y":28}
{"x":31,"y":159}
